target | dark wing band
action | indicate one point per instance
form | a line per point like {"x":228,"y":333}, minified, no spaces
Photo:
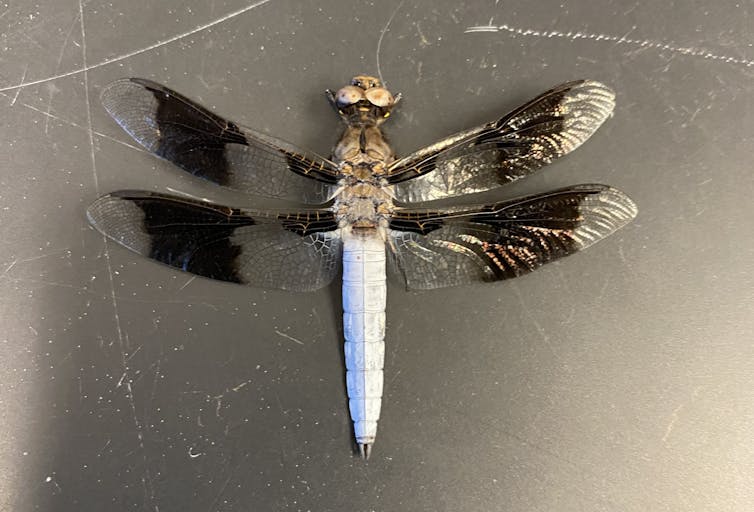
{"x":298,"y":251}
{"x":434,"y":249}
{"x":204,"y":144}
{"x":491,"y":155}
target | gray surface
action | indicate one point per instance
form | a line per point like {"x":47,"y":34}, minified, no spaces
{"x":617,"y":379}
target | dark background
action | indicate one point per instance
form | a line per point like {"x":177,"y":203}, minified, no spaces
{"x":618,"y":379}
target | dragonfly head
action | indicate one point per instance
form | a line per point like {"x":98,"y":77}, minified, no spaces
{"x":364,"y":102}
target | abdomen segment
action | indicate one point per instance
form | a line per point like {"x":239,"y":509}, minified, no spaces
{"x":364,"y":297}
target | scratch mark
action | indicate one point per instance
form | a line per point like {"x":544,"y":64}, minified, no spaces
{"x":423,"y":39}
{"x":23,"y":77}
{"x":74,"y":124}
{"x":541,"y":330}
{"x":194,"y":455}
{"x":382,"y":35}
{"x":38,"y":257}
{"x":280,"y":405}
{"x":604,"y":289}
{"x":33,"y":331}
{"x":220,"y":492}
{"x":673,"y":420}
{"x":419,"y":72}
{"x":187,"y":283}
{"x":65,"y":42}
{"x":219,"y":398}
{"x":241,"y":386}
{"x":134,"y":353}
{"x":319,"y":329}
{"x":146,"y":480}
{"x":94,"y":173}
{"x":102,"y":450}
{"x":155,"y":369}
{"x":46,"y":283}
{"x":640,"y":43}
{"x":154,"y":46}
{"x":693,"y":116}
{"x":25,"y":35}
{"x":622,"y":256}
{"x":289,"y":337}
{"x":57,"y":67}
{"x":13,"y":264}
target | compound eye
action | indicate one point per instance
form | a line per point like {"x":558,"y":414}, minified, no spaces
{"x":379,"y":96}
{"x":349,"y":95}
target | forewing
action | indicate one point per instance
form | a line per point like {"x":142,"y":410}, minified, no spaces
{"x":297,"y":251}
{"x":434,"y":249}
{"x":491,"y":155}
{"x":210,"y":147}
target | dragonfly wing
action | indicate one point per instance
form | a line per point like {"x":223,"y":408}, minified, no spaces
{"x":204,"y":144}
{"x":488,"y":156}
{"x":456,"y":246}
{"x":297,"y":251}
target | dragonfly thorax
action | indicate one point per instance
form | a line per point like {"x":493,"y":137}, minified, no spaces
{"x":363,"y":147}
{"x":363,"y":156}
{"x":363,"y":205}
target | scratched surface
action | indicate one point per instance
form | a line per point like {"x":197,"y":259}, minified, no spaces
{"x":617,"y":379}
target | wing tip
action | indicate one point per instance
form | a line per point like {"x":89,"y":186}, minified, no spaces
{"x":107,"y":91}
{"x":617,"y":198}
{"x":597,"y":93}
{"x":594,"y":84}
{"x":609,"y":195}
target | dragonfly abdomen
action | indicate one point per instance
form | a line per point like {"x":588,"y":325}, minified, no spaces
{"x":364,"y":298}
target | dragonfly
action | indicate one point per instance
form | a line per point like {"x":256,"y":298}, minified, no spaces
{"x":359,"y":214}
